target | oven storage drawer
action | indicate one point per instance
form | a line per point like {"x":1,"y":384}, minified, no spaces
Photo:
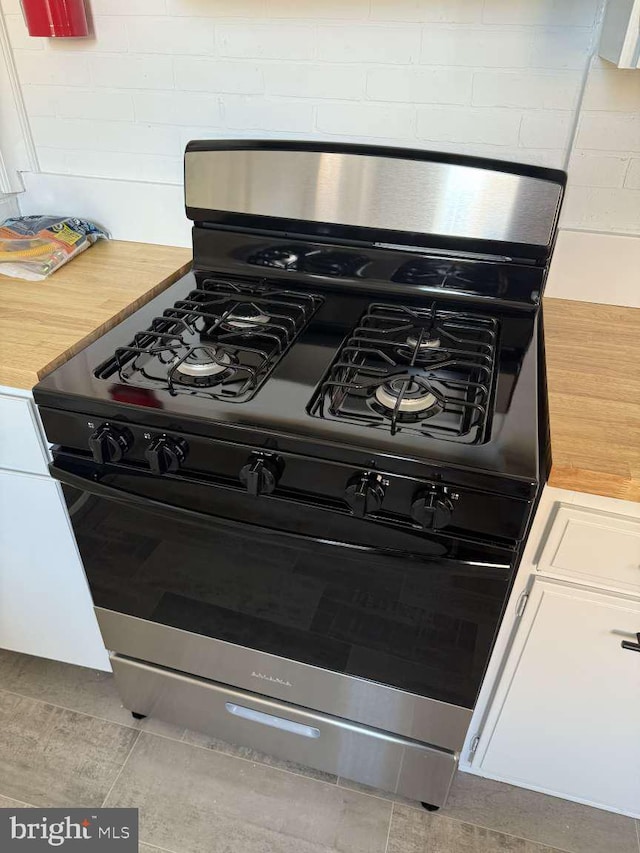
{"x":330,"y":744}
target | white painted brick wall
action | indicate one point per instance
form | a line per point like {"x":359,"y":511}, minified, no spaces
{"x":604,"y":170}
{"x":420,"y":85}
{"x":419,"y":11}
{"x":216,"y":76}
{"x":497,"y":78}
{"x":632,"y":178}
{"x":473,"y":124}
{"x":525,"y":89}
{"x":335,"y":82}
{"x":178,"y":36}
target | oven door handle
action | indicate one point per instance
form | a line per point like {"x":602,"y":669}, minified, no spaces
{"x":96,"y":488}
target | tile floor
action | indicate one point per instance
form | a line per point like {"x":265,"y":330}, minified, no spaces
{"x":66,"y":740}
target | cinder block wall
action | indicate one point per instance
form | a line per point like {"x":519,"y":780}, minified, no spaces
{"x":501,"y":78}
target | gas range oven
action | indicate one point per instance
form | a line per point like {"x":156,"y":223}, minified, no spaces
{"x":301,"y":478}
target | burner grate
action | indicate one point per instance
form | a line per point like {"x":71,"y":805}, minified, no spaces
{"x":222,"y":340}
{"x":425,"y":370}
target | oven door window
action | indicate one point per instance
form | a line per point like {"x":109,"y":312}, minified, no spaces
{"x":394,"y":606}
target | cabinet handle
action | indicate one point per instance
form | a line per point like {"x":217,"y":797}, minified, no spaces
{"x":631,"y":647}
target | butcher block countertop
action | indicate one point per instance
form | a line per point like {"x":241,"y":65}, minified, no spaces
{"x":44,"y":323}
{"x":593,"y":373}
{"x":593,"y":354}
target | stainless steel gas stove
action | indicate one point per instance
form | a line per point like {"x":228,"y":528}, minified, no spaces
{"x":301,"y":478}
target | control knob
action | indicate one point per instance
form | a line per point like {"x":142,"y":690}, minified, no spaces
{"x":261,"y":473}
{"x":166,"y":454}
{"x":109,"y":443}
{"x":365,"y":493}
{"x":432,"y":508}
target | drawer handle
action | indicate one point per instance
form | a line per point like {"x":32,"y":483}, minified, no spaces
{"x":631,"y":647}
{"x":270,"y":720}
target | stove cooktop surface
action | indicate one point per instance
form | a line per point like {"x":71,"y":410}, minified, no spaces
{"x":404,"y":376}
{"x":416,"y":369}
{"x":222,"y":340}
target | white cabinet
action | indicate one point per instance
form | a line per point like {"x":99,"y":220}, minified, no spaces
{"x":558,"y":711}
{"x":565,"y":716}
{"x":20,"y":446}
{"x":594,"y":547}
{"x":620,"y":36}
{"x":45,"y":605}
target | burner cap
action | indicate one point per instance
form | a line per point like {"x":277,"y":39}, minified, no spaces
{"x":202,"y":363}
{"x":246,"y":316}
{"x":279,"y":257}
{"x":416,"y":398}
{"x":429,"y":341}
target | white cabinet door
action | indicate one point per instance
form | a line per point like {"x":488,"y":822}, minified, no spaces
{"x":565,"y":716}
{"x":45,"y":605}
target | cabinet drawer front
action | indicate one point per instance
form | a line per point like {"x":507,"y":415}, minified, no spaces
{"x":20,"y":446}
{"x":593,"y":546}
{"x":287,"y":731}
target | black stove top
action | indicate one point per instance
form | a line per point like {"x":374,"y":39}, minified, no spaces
{"x":343,"y":368}
{"x":420,"y":369}
{"x":222,"y":340}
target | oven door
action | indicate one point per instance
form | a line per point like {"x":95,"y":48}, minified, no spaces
{"x":285,"y":599}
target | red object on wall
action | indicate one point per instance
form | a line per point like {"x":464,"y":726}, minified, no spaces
{"x":56,"y":18}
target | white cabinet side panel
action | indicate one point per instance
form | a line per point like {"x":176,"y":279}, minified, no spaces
{"x":21,"y":447}
{"x":45,"y":604}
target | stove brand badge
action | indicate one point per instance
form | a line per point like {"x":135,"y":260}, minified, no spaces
{"x":35,"y":830}
{"x":272,"y":679}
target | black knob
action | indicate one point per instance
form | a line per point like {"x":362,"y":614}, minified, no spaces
{"x":365,"y":493}
{"x":261,"y":473}
{"x":109,"y":443}
{"x":166,"y":454}
{"x":631,"y":647}
{"x":432,"y":508}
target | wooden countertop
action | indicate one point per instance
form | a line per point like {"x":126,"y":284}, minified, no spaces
{"x":44,"y":323}
{"x":593,"y":354}
{"x":593,"y":372}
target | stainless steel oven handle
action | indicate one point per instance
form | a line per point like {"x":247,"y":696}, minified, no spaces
{"x":112,"y":493}
{"x":269,"y":720}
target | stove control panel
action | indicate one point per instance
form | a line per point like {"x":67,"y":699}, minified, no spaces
{"x":261,"y":473}
{"x":109,"y":443}
{"x":165,"y":454}
{"x":414,"y":496}
{"x":365,"y":493}
{"x":432,"y":508}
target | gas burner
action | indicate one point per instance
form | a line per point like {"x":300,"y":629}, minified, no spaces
{"x":332,"y":263}
{"x":435,"y":272}
{"x":247,"y":316}
{"x":406,"y":395}
{"x":204,"y":363}
{"x":277,"y":257}
{"x":423,"y":340}
{"x":222,"y":340}
{"x":326,"y":262}
{"x":427,"y":370}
